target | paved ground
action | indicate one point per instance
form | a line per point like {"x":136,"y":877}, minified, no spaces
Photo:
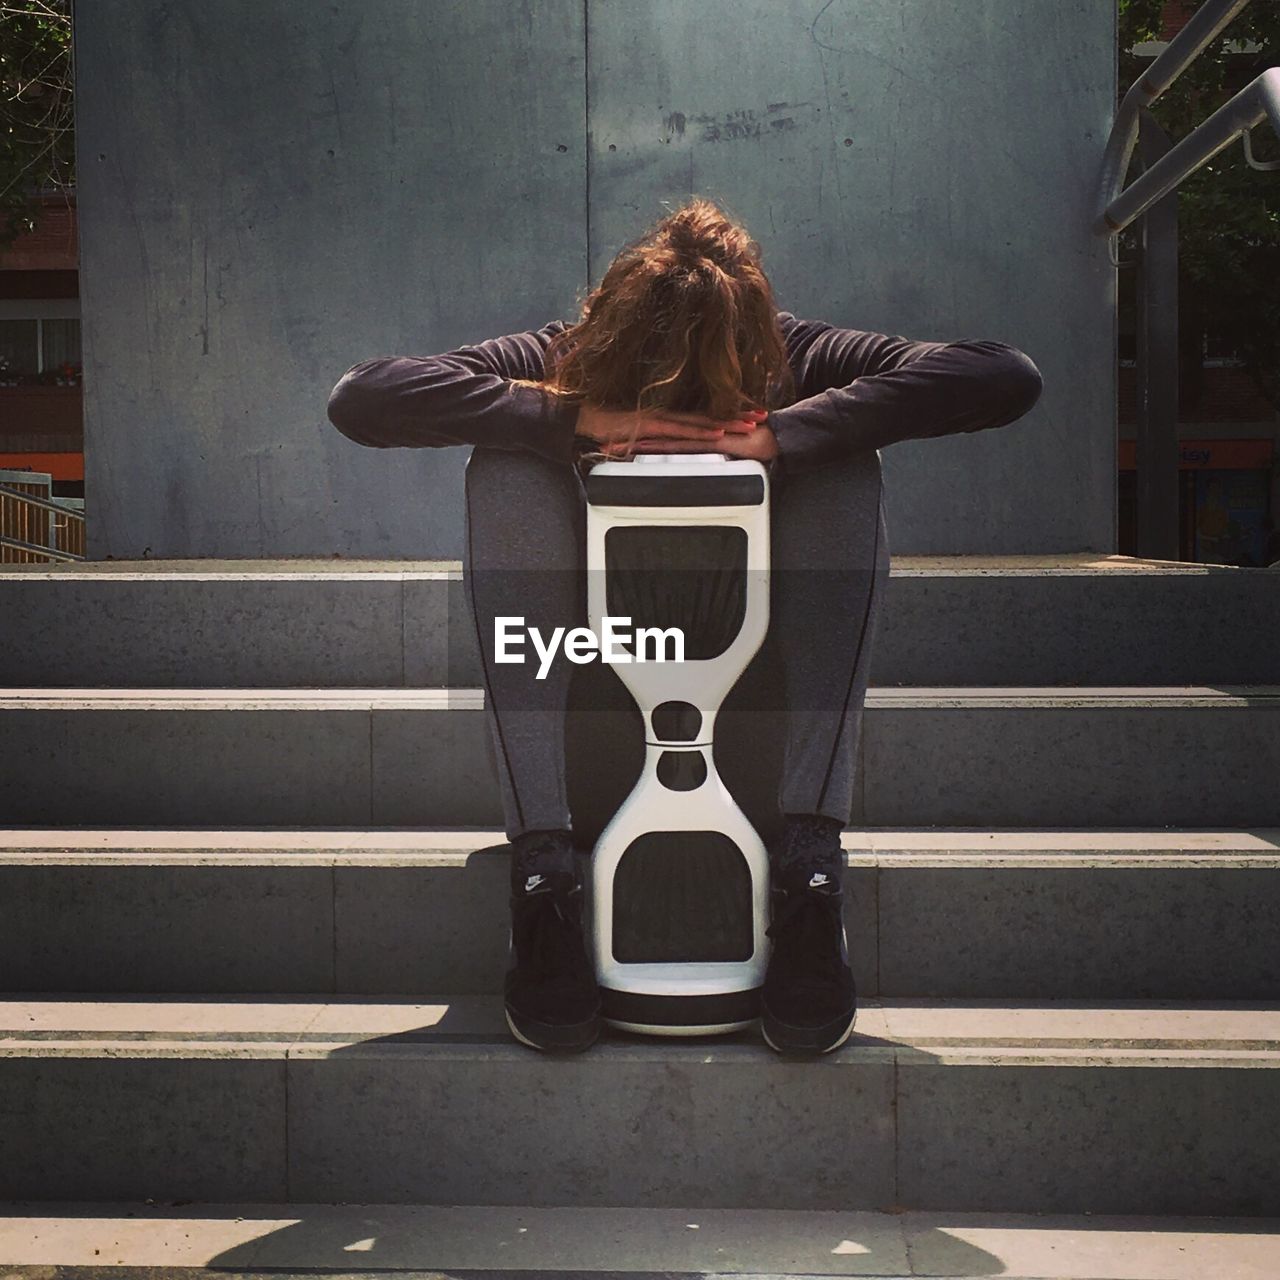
{"x":348,"y":1239}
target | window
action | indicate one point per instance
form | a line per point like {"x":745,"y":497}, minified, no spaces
{"x":39,"y":351}
{"x":1219,"y":351}
{"x":19,"y":349}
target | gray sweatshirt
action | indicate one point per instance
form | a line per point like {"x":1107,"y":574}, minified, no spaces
{"x":854,"y":390}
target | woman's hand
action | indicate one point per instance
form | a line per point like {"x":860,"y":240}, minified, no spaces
{"x":758,"y":443}
{"x":621,"y":432}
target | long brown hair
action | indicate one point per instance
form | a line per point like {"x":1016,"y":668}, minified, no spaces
{"x":684,"y":319}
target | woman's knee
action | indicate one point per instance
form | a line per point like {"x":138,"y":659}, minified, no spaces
{"x":852,"y":476}
{"x":517,"y":475}
{"x":838,"y":503}
{"x":522,"y":508}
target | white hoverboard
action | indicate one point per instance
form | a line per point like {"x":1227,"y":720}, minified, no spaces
{"x":679,"y":885}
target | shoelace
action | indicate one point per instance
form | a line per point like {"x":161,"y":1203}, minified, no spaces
{"x":548,"y":933}
{"x":803,"y":839}
{"x":807,"y":930}
{"x":541,"y":855}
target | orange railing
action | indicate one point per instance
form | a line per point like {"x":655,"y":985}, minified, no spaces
{"x":36,"y":527}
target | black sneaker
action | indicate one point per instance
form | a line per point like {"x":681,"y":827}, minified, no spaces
{"x":809,"y":1001}
{"x":551,"y":997}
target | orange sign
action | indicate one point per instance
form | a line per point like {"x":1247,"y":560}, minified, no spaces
{"x":61,"y":466}
{"x":1226,"y":455}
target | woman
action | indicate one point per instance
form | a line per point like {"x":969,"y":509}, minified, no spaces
{"x":681,"y":349}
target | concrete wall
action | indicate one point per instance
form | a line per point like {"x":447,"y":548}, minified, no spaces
{"x":271,"y":191}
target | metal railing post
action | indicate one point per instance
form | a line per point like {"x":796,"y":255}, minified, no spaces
{"x":1157,"y":315}
{"x":1153,"y":197}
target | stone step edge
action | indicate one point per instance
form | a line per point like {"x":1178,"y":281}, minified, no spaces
{"x":1062,"y":563}
{"x":472,"y":699}
{"x":914,"y":1032}
{"x":884,"y":860}
{"x":150,"y":1239}
{"x":403,"y":846}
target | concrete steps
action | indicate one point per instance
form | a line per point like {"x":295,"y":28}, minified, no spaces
{"x":236,"y":623}
{"x":1119,"y":1107}
{"x":961,"y":756}
{"x":140,"y":1241}
{"x":1070,"y":619}
{"x":1155,"y":914}
{"x":234,"y":873}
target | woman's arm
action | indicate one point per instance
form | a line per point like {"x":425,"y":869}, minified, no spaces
{"x":469,"y":396}
{"x":863,"y":390}
{"x":464,"y":396}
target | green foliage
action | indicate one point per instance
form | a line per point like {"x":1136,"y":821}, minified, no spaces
{"x":37,"y":147}
{"x":1228,"y":213}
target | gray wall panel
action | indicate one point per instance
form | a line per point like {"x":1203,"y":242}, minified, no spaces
{"x":285,"y":189}
{"x":910,"y":167}
{"x":271,"y":192}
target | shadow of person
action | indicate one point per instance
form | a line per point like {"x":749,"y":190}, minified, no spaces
{"x":431,"y":1123}
{"x":512,"y":1241}
{"x":414,"y":1124}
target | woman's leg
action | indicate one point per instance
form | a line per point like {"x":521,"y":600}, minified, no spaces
{"x":829,"y":571}
{"x":525,"y":557}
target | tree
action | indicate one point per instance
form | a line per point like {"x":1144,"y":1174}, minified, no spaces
{"x":1228,"y":213}
{"x":37,"y":139}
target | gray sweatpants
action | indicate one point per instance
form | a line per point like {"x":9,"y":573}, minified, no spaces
{"x":526,"y":556}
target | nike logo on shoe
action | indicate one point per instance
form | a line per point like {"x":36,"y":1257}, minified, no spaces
{"x":532,"y":883}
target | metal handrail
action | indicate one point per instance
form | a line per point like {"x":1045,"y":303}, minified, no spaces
{"x":34,"y":548}
{"x":53,"y":553}
{"x":49,"y":504}
{"x":1153,"y":197}
{"x":1256,"y":102}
